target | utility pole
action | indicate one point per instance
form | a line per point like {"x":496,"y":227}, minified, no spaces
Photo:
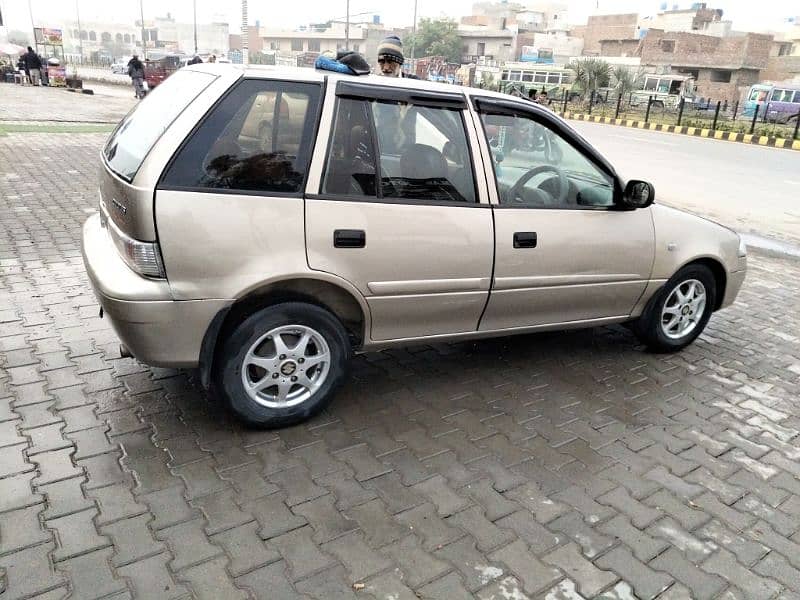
{"x":347,"y":28}
{"x":80,"y":39}
{"x":144,"y":42}
{"x":194,"y":9}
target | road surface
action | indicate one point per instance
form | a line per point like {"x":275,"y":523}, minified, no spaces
{"x":752,"y":189}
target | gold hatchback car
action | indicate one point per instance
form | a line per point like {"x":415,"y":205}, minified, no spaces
{"x":263,"y":224}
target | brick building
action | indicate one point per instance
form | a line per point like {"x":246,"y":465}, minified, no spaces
{"x":608,"y":27}
{"x":722,"y":66}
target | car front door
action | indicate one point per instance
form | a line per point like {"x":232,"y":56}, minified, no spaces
{"x":565,"y":253}
{"x":396,"y":210}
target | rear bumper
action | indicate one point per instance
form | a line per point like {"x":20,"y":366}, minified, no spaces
{"x":157,"y":330}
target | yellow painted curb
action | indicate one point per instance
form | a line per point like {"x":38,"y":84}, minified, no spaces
{"x":730,"y":136}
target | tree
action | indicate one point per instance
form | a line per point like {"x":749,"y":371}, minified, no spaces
{"x":591,"y":73}
{"x":626,"y":79}
{"x":435,"y":37}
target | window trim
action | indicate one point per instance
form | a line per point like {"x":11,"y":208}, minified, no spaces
{"x":499,"y":106}
{"x":433,"y":99}
{"x":320,"y":195}
{"x":301,"y":189}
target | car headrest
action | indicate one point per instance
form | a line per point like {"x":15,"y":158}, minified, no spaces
{"x":420,"y":161}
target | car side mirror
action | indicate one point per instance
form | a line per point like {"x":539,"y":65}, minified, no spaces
{"x":638,"y":194}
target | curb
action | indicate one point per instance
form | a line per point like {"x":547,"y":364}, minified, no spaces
{"x":743,"y":138}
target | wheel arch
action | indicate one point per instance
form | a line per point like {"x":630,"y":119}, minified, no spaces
{"x":344,"y":304}
{"x":718,"y":271}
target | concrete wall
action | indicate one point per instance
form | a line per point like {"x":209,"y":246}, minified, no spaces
{"x":608,"y":27}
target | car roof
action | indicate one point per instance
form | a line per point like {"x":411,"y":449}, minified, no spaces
{"x":318,"y":75}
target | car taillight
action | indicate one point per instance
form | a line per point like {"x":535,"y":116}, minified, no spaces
{"x":142,"y":257}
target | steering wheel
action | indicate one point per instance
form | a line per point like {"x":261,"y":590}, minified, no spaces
{"x":542,"y":195}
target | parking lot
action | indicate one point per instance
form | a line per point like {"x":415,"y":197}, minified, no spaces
{"x":562,"y":465}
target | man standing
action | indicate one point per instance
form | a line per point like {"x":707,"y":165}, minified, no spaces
{"x":33,"y":65}
{"x":136,"y":73}
{"x":391,"y":59}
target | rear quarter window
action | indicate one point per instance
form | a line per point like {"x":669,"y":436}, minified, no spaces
{"x":138,"y":132}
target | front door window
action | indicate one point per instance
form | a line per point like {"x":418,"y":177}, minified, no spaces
{"x":535,"y":167}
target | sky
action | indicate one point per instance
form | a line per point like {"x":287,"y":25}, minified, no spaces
{"x":746,"y":14}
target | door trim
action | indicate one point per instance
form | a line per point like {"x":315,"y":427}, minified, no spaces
{"x":428,"y":286}
{"x":543,"y":281}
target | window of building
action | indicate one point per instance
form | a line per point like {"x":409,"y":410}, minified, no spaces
{"x":313,"y":46}
{"x":553,"y":77}
{"x":297,"y":45}
{"x":105,"y":36}
{"x":718,"y":76}
{"x":465,"y":49}
{"x":355,"y":48}
{"x":481,"y":48}
{"x":667,"y":46}
{"x":84,"y":35}
{"x":118,"y":37}
{"x":650,"y":84}
{"x":784,"y":49}
{"x":274,"y":45}
{"x":527,"y":76}
{"x":127,"y":38}
{"x":422,"y":152}
{"x":258,"y":139}
{"x":540,"y":78}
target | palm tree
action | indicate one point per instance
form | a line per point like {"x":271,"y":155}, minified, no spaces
{"x":591,"y":73}
{"x":625,"y":79}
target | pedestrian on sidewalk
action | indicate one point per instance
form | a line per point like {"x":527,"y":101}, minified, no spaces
{"x":33,"y":65}
{"x":136,"y":73}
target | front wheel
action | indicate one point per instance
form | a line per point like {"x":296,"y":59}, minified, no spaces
{"x":283,"y":364}
{"x":679,"y":312}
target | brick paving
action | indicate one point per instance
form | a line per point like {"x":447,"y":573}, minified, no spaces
{"x":569,"y":465}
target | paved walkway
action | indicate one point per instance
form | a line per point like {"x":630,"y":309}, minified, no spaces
{"x":27,"y":103}
{"x":569,"y":465}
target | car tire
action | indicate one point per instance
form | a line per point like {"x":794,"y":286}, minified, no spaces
{"x":272,"y":369}
{"x":679,"y":311}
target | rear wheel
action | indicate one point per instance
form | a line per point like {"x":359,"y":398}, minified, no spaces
{"x":679,"y":311}
{"x":283,"y":364}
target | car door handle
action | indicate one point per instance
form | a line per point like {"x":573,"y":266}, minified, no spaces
{"x":525,"y":239}
{"x":349,"y":238}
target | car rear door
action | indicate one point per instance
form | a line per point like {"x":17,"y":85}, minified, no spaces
{"x":396,"y":209}
{"x":562,"y":254}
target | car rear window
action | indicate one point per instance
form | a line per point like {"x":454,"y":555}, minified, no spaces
{"x":140,"y":129}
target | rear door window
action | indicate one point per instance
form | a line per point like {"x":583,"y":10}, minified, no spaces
{"x":258,"y":138}
{"x":138,"y":132}
{"x":388,"y":149}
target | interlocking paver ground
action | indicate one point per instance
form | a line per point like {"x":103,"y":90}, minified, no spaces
{"x":438,"y":470}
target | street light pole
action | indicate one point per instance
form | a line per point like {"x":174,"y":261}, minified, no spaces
{"x":144,"y":43}
{"x":414,"y":35}
{"x":347,"y":28}
{"x":245,"y":35}
{"x":80,"y":39}
{"x":194,"y":9}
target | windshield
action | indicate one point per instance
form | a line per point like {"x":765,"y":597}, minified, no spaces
{"x":140,"y":129}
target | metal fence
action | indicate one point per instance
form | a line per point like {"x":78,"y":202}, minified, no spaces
{"x":703,"y":113}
